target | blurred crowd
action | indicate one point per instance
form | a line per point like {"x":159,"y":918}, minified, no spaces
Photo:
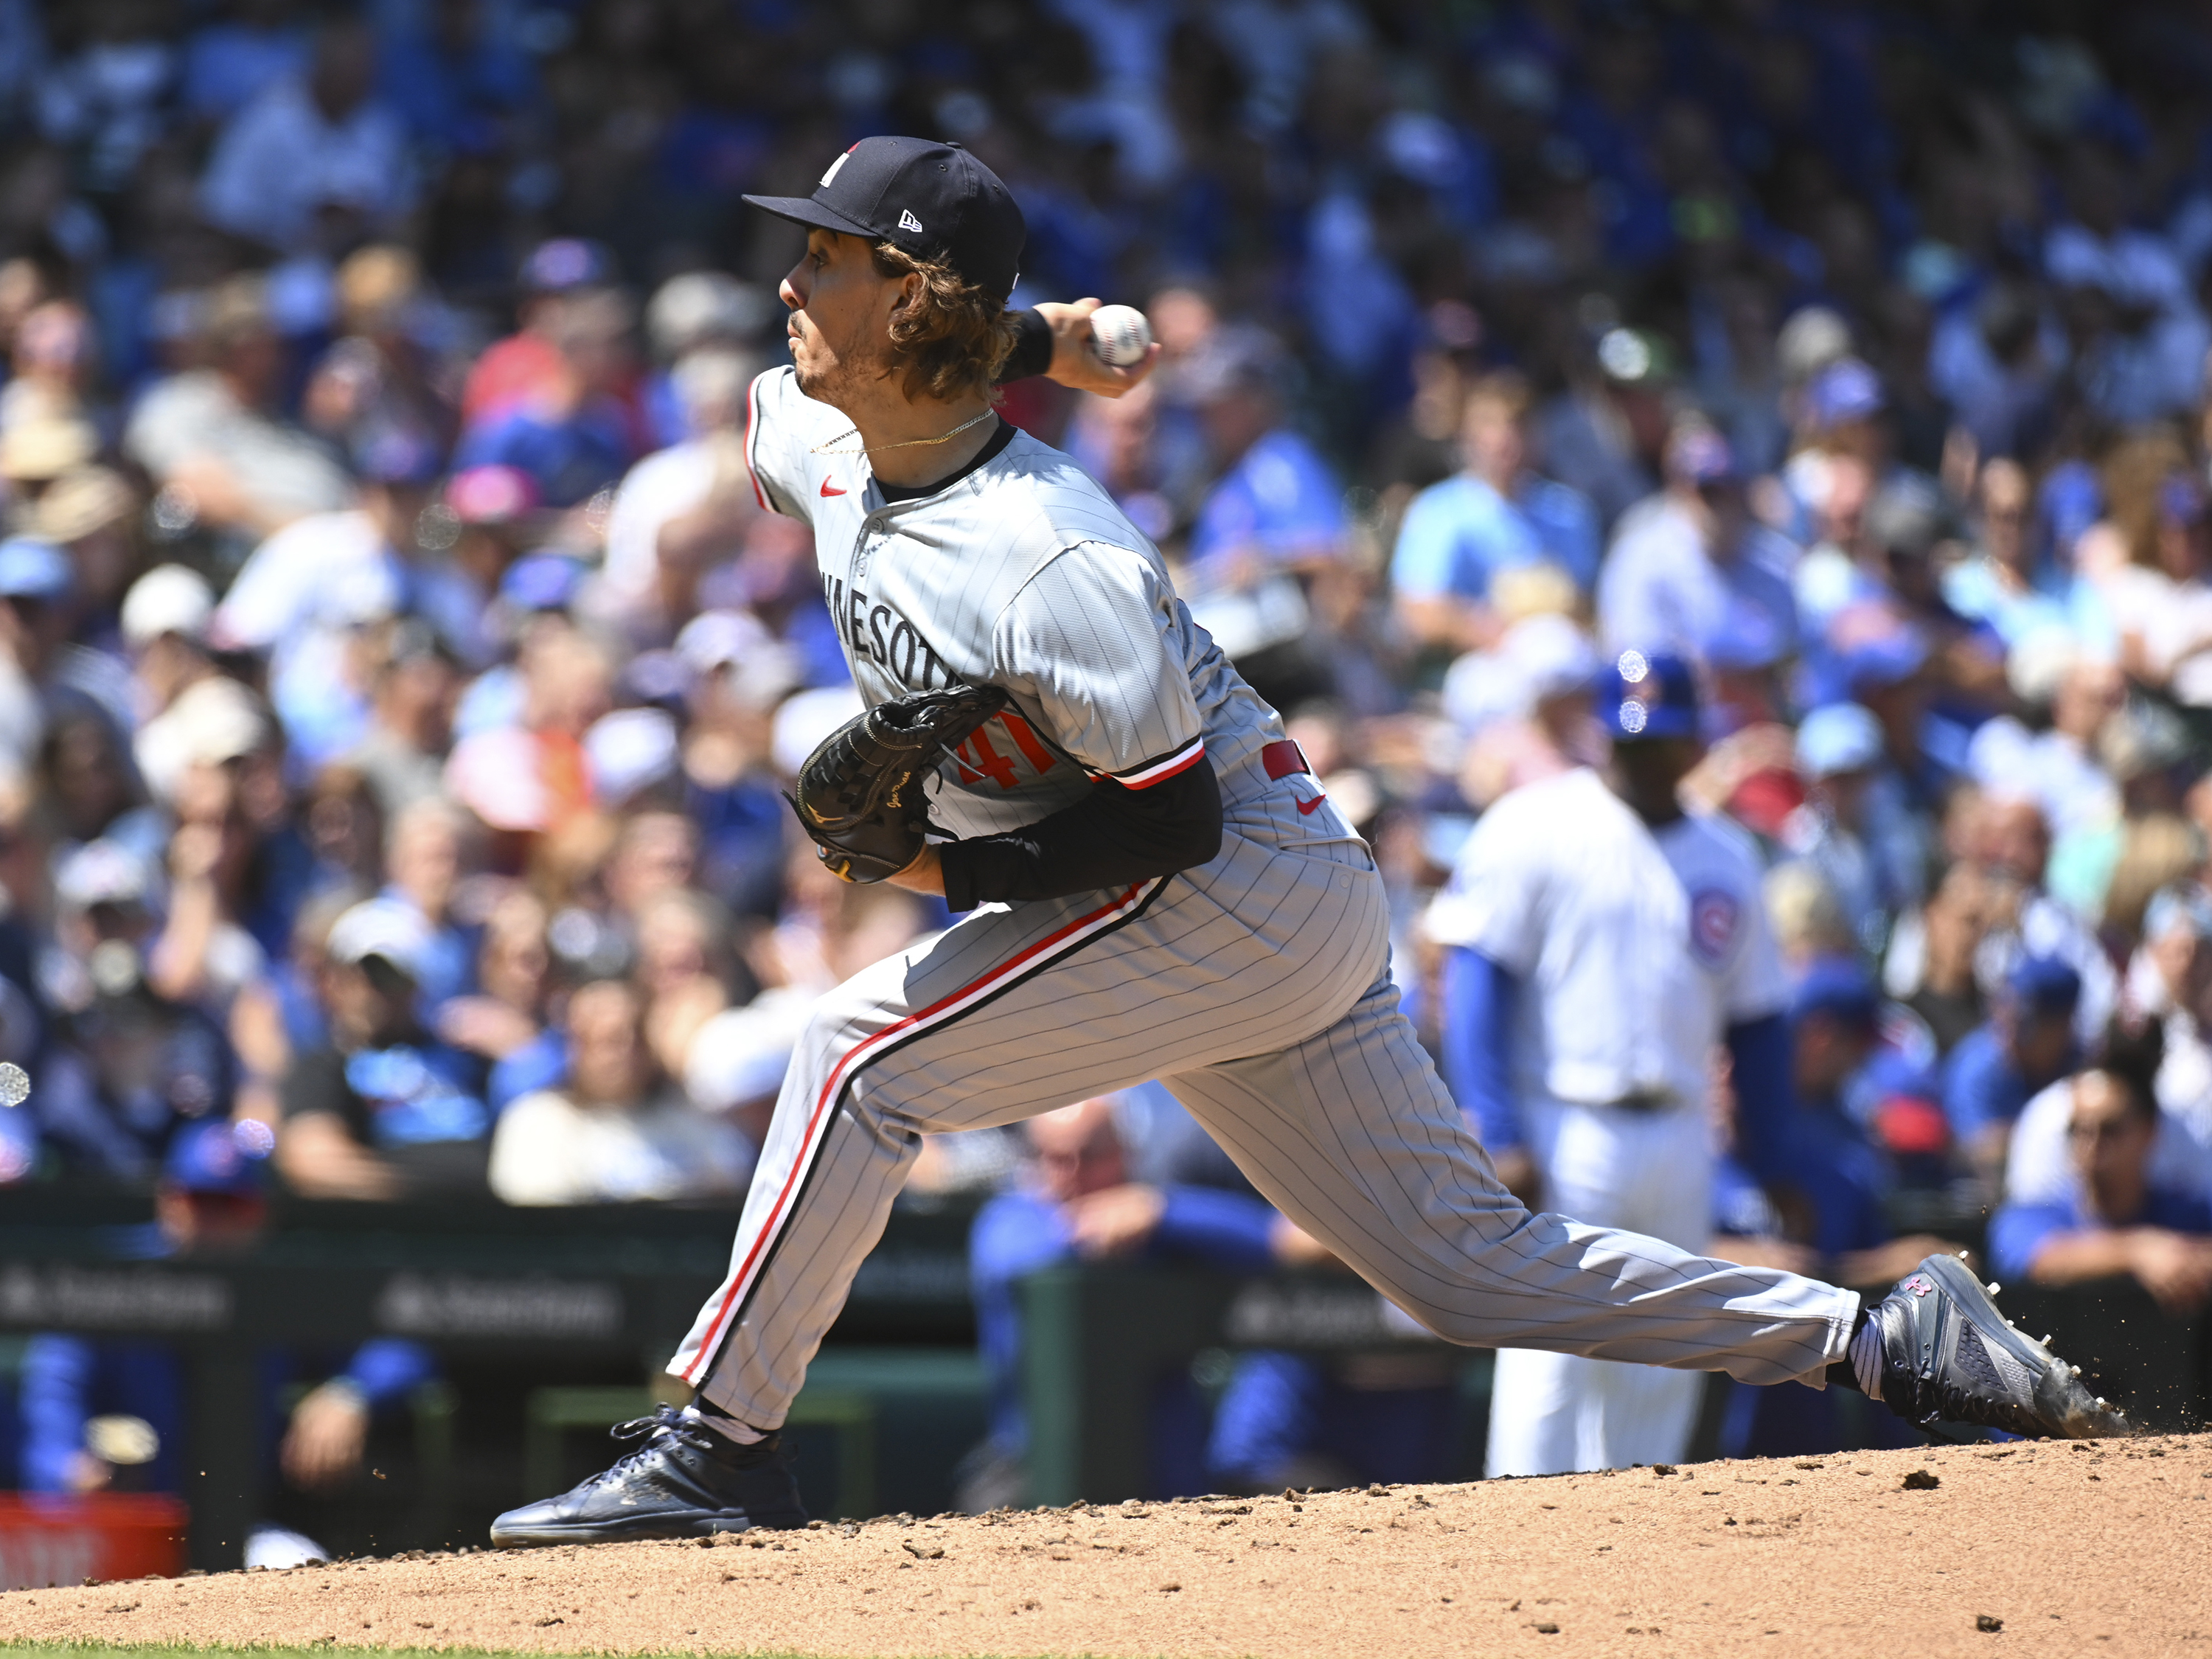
{"x":397,"y":672}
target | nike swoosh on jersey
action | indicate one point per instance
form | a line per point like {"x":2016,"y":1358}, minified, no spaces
{"x":828,"y":491}
{"x":1306,"y":807}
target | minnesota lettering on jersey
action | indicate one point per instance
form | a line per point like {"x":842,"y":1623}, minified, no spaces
{"x":875,"y":632}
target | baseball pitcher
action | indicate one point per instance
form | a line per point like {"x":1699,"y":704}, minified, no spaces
{"x":1153,"y":885}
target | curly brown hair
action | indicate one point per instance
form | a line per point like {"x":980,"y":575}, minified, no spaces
{"x":955,"y":337}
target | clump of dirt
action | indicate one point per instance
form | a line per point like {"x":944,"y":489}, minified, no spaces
{"x":2048,"y":1547}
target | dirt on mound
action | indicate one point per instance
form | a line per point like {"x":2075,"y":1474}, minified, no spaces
{"x":2054,"y":1548}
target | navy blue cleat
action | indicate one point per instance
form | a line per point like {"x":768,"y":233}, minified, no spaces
{"x":1948,"y":1356}
{"x":683,"y":1481}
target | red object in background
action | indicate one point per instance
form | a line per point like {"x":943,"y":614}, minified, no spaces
{"x":1911,"y":1126}
{"x":1766,"y":798}
{"x":49,"y":1540}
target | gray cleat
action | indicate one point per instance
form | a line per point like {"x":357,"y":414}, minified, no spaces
{"x":1947,"y":1356}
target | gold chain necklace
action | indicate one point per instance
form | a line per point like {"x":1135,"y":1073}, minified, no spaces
{"x":907,"y":443}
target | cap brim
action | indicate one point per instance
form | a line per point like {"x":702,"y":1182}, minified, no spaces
{"x":805,"y":211}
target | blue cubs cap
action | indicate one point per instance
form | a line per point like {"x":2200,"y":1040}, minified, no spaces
{"x":1837,"y":987}
{"x":543,"y":582}
{"x":398,"y":458}
{"x":1846,"y":390}
{"x":1748,"y":639}
{"x":564,"y":264}
{"x":2044,"y":985}
{"x":930,"y":199}
{"x":1696,"y":454}
{"x":218,"y":1156}
{"x":33,"y":569}
{"x":1653,"y":696}
{"x":1889,"y":659}
{"x":1838,"y":736}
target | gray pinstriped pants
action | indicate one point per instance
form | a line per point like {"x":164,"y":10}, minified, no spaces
{"x":1256,"y":988}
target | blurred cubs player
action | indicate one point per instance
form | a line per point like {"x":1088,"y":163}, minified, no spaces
{"x":1601,"y":941}
{"x":1151,"y":885}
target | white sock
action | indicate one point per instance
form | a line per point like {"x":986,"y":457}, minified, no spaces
{"x":729,"y":1428}
{"x":1866,"y":1359}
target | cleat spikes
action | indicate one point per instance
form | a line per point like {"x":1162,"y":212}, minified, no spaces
{"x":1949,"y":1355}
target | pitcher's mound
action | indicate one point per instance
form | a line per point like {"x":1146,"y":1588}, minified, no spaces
{"x":1984,"y":1550}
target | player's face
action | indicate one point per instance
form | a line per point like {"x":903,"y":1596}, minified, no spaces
{"x":840,"y":323}
{"x":1651,"y":769}
{"x":2109,"y":1142}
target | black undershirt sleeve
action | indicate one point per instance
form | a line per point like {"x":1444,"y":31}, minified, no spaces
{"x":1032,"y":352}
{"x":1112,"y":836}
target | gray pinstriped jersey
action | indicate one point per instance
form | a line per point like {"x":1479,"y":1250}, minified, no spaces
{"x":1025,"y":575}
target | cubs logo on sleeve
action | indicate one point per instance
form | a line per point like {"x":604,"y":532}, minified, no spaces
{"x":1715,"y":923}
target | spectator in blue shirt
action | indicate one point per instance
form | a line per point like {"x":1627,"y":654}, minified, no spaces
{"x":456,"y":77}
{"x":1272,"y":523}
{"x":209,"y":1201}
{"x":572,"y":434}
{"x":230,"y":63}
{"x":1822,"y":1183}
{"x":1083,"y":1205}
{"x":1690,"y":566}
{"x":1496,"y":514}
{"x":2027,"y":1045}
{"x":425,"y":857}
{"x":1825,"y":1174}
{"x":1280,"y":1411}
{"x":2118,"y":1223}
{"x":386,"y":1109}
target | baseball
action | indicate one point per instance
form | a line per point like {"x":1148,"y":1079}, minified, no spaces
{"x":1120,"y":335}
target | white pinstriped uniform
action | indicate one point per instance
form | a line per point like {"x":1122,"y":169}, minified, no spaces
{"x":1255,"y":987}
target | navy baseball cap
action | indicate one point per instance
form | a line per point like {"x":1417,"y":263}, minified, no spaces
{"x":2044,"y":985}
{"x":1653,"y":696}
{"x":930,"y":199}
{"x":1837,"y":987}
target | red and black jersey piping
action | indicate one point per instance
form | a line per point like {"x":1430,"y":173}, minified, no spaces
{"x":1146,"y":774}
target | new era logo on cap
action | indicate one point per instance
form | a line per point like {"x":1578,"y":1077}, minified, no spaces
{"x":932,"y":200}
